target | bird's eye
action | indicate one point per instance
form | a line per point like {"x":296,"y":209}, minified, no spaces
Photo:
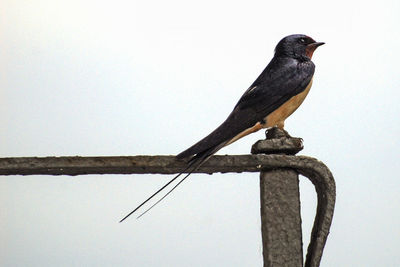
{"x":302,"y":40}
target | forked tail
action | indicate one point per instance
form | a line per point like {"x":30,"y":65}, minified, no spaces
{"x":193,"y":164}
{"x":158,"y":191}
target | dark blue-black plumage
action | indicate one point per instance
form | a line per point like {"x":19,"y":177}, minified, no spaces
{"x":288,"y":74}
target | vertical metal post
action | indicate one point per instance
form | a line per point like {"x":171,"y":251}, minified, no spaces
{"x":280,"y":205}
{"x":280,"y":218}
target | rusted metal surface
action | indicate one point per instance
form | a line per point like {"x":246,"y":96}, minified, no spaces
{"x":283,"y":169}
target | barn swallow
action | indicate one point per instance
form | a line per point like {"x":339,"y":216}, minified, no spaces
{"x":275,"y":95}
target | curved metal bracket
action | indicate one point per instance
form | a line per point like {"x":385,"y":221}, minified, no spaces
{"x":278,"y":141}
{"x":324,"y":183}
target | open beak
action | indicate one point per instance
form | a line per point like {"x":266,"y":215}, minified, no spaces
{"x":311,"y":48}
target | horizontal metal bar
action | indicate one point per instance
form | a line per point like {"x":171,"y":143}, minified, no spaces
{"x":134,"y":164}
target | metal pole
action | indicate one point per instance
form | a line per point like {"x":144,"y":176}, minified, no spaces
{"x":280,"y":218}
{"x":280,"y":206}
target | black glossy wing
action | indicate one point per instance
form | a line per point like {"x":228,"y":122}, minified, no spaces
{"x":282,"y":79}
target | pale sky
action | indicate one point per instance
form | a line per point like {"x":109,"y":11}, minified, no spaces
{"x":99,"y":78}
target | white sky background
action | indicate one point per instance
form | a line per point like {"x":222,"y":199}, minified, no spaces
{"x":153,"y":77}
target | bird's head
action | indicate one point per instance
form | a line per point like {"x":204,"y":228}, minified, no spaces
{"x":298,"y":46}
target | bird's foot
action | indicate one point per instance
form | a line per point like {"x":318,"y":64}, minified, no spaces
{"x":278,"y":141}
{"x":276,"y":132}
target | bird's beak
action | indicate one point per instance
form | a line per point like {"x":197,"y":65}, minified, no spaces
{"x":316,"y":44}
{"x":311,"y":48}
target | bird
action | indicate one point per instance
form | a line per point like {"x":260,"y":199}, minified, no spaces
{"x":277,"y":92}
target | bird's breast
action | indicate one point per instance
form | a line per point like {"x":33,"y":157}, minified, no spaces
{"x":278,"y":116}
